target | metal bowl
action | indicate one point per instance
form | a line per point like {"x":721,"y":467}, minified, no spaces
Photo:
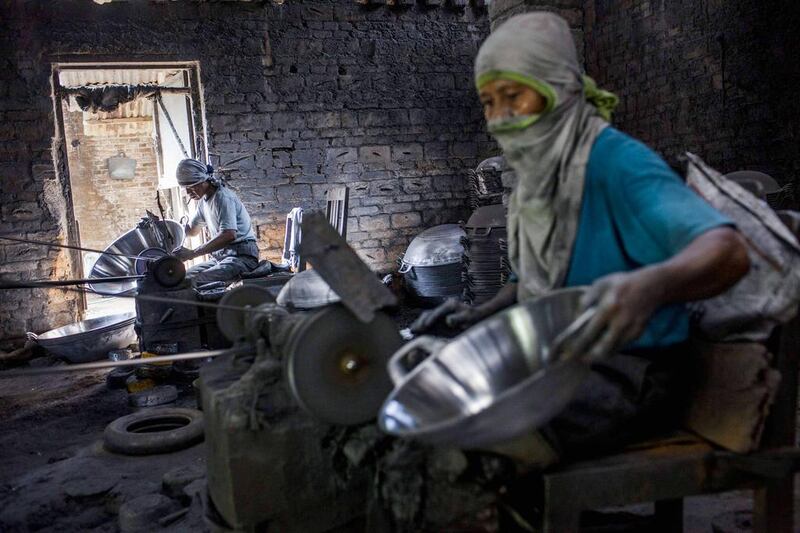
{"x":494,"y":382}
{"x":89,"y":340}
{"x":131,"y":244}
{"x":306,"y":290}
{"x":488,"y":216}
{"x":436,"y":246}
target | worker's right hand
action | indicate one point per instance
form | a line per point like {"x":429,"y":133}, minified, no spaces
{"x":454,"y":313}
{"x":184,"y":254}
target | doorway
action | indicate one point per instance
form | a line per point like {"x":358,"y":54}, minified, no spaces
{"x":125,"y":127}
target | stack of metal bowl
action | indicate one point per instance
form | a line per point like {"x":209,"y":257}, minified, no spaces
{"x":485,"y":186}
{"x":484,"y":264}
{"x":431,"y":265}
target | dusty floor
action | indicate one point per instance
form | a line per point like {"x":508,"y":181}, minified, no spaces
{"x":56,"y":476}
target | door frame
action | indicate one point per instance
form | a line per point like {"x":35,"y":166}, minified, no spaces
{"x":197,"y":125}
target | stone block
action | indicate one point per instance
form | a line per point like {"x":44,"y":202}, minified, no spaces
{"x":373,"y":223}
{"x":406,"y":220}
{"x":375,"y":154}
{"x":407,"y":152}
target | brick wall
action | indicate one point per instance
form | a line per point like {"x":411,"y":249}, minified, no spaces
{"x":105,"y":207}
{"x":715,"y":78}
{"x":319,"y":92}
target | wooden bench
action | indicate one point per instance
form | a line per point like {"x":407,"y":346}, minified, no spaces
{"x":666,"y":471}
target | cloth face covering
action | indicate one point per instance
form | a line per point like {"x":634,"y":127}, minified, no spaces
{"x":548,"y":151}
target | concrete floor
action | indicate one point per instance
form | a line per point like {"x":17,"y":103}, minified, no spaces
{"x":56,"y":476}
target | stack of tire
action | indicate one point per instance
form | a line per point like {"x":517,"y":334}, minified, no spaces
{"x":431,"y":266}
{"x":485,"y":260}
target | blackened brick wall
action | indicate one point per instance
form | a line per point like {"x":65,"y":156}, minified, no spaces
{"x":717,"y":78}
{"x":319,"y":92}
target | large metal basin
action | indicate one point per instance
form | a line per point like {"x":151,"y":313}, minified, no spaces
{"x":89,"y":340}
{"x":131,"y":244}
{"x":494,"y":382}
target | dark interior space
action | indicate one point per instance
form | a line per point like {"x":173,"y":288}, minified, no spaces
{"x":286,"y":385}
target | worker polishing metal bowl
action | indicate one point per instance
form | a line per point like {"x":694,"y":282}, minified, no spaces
{"x":594,"y":207}
{"x":232,"y":246}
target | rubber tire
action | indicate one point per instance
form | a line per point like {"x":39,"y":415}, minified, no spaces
{"x":117,"y":438}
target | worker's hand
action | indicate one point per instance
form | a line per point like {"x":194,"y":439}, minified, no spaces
{"x":624,"y":302}
{"x":452,"y":312}
{"x":184,"y":254}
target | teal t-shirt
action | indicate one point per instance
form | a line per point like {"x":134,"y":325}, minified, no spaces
{"x":636,"y":211}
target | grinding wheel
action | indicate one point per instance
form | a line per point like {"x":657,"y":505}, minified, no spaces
{"x":336,"y":364}
{"x":233,"y":323}
{"x":168,"y":271}
{"x":147,"y":256}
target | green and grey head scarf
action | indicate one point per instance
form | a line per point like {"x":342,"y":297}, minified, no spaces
{"x":549,"y":150}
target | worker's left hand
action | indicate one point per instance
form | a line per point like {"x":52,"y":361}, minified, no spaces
{"x":184,"y":254}
{"x":624,"y":303}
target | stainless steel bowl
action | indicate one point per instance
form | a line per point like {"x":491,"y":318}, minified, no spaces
{"x":131,"y":244}
{"x":494,"y":382}
{"x":307,"y":290}
{"x":89,"y":340}
{"x":436,"y":246}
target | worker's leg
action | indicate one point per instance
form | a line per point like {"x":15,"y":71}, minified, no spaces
{"x":625,"y":398}
{"x":200,"y":267}
{"x":227,"y":269}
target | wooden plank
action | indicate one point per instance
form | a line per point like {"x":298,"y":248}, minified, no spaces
{"x":649,"y":475}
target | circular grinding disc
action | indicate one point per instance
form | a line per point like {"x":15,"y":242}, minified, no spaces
{"x":233,"y":323}
{"x":168,"y":271}
{"x":147,"y":256}
{"x":336,"y":365}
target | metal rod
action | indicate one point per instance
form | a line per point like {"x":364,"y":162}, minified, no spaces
{"x":153,"y":298}
{"x":159,"y":88}
{"x":38,"y":284}
{"x":128,"y":362}
{"x":71,"y":247}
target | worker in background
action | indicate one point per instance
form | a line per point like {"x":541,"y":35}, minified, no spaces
{"x":595,"y":207}
{"x":233,"y":243}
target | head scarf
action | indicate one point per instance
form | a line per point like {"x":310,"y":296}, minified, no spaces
{"x":191,"y":172}
{"x":549,"y":150}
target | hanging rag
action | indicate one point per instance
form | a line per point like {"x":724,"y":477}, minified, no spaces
{"x":109,"y":97}
{"x":292,"y":238}
{"x":548,"y":151}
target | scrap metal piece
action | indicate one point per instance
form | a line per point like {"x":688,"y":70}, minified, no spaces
{"x":234,"y":323}
{"x":349,"y":277}
{"x":336,"y":366}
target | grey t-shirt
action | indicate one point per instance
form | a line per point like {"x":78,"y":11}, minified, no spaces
{"x":223,"y":211}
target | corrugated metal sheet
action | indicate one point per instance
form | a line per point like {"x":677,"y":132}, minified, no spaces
{"x":138,"y":108}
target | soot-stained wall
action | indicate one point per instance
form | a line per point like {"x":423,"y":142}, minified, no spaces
{"x":318,"y":93}
{"x":712,"y":77}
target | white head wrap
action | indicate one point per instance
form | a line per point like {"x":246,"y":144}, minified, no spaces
{"x":191,"y":172}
